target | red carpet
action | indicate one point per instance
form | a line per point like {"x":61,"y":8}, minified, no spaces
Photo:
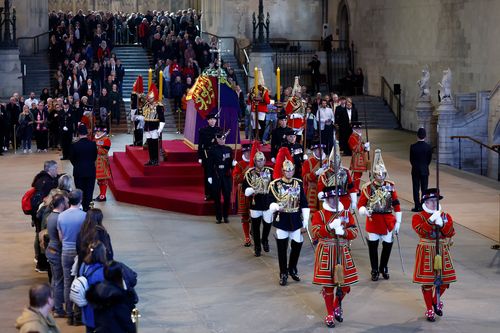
{"x":175,"y":185}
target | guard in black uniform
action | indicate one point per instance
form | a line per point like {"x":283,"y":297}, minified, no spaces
{"x":205,"y":142}
{"x":288,"y":204}
{"x":296,"y":150}
{"x":66,"y":129}
{"x":219,"y":172}
{"x":154,"y":120}
{"x":136,"y":102}
{"x":278,"y":136}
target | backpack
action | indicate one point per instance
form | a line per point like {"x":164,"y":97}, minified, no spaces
{"x":26,"y":201}
{"x":79,"y":288}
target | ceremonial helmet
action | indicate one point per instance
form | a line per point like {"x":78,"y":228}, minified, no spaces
{"x":138,"y":86}
{"x":153,"y":92}
{"x":378,"y":167}
{"x":256,"y":155}
{"x":283,"y":163}
{"x":260,"y":78}
{"x":296,"y":86}
{"x":334,"y":159}
{"x":102,"y":130}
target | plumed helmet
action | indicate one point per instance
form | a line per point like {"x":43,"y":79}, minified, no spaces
{"x":335,"y":155}
{"x":378,"y":167}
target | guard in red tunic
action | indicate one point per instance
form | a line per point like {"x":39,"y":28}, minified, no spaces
{"x":256,"y":188}
{"x":433,"y":271}
{"x":359,"y":160}
{"x":259,"y":100}
{"x":243,"y":202}
{"x":103,"y":171}
{"x":378,"y":201}
{"x":333,"y":228}
{"x":348,"y":195}
{"x":312,"y":168}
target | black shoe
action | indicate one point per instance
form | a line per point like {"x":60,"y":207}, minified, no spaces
{"x":375,"y":275}
{"x":208,"y":198}
{"x":226,"y":220}
{"x":294,"y":274}
{"x":385,"y":273}
{"x":100,"y":199}
{"x":218,"y":222}
{"x":257,"y":253}
{"x":265,"y":246}
{"x":71,"y":320}
{"x":149,"y":163}
{"x":438,"y":309}
{"x":338,"y":314}
{"x":283,"y":279}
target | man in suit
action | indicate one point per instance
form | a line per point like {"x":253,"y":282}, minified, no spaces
{"x":420,"y":158}
{"x":83,"y":155}
{"x":343,"y":118}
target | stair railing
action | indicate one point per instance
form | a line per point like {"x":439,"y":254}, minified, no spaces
{"x":36,"y":41}
{"x":494,"y":148}
{"x":391,"y":99}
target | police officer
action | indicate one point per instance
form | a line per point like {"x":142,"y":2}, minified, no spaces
{"x":205,"y":142}
{"x":219,"y":175}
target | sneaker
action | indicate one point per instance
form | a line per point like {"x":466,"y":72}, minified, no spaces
{"x":30,"y":151}
{"x":41,"y":270}
{"x":24,"y":151}
{"x":45,"y":150}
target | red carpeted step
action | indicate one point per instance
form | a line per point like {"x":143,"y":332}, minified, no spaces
{"x":183,"y":199}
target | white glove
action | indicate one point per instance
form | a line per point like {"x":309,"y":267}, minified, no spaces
{"x":267,"y":216}
{"x":249,"y":191}
{"x":209,"y":180}
{"x":160,"y":127}
{"x":321,"y":196}
{"x":335,"y":224}
{"x":305,"y":157}
{"x":399,"y":215}
{"x":319,"y":171}
{"x":364,"y":211}
{"x":159,"y":132}
{"x":354,"y":200}
{"x":274,"y":207}
{"x":234,"y":163}
{"x":199,"y":160}
{"x":65,"y":128}
{"x":435,"y":215}
{"x":396,"y":227}
{"x":339,"y":231}
{"x":273,"y":160}
{"x":439,"y":221}
{"x":306,"y":212}
{"x":367,"y":146}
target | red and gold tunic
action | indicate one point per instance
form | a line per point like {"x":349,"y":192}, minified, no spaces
{"x":263,"y":103}
{"x":326,"y":250}
{"x":426,"y":249}
{"x":359,"y":158}
{"x":382,"y":200}
{"x":344,"y":180}
{"x":103,"y":171}
{"x":309,"y":168}
{"x":238,"y":178}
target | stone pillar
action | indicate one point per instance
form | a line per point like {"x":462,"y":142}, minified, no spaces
{"x":424,"y":110}
{"x":265,"y":61}
{"x":446,"y":115}
{"x":10,"y":72}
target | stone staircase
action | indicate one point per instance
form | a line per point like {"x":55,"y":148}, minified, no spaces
{"x":238,"y":70}
{"x":378,"y":114}
{"x":38,"y":73}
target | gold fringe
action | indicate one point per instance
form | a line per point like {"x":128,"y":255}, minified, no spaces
{"x":339,"y":274}
{"x":438,"y":262}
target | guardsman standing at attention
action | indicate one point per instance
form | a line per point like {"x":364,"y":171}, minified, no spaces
{"x":220,"y":163}
{"x":333,"y":228}
{"x":136,"y":101}
{"x":434,"y":269}
{"x":243,"y":202}
{"x":377,"y":202}
{"x":256,"y":187}
{"x":154,"y":120}
{"x":103,"y":171}
{"x":259,"y":101}
{"x":206,"y":140}
{"x":311,"y":171}
{"x":278,"y":136}
{"x":289,"y":205}
{"x":360,"y":149}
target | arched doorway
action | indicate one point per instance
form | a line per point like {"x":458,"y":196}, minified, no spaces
{"x":343,"y":25}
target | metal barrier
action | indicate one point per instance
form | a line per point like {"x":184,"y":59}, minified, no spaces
{"x":494,"y":148}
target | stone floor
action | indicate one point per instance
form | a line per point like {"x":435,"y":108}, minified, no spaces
{"x":195,"y":276}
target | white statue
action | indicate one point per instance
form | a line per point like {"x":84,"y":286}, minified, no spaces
{"x":424,"y":83}
{"x":445,"y":85}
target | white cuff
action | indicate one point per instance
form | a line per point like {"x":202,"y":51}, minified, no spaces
{"x":362,"y":211}
{"x":399,"y":215}
{"x":306,"y":212}
{"x":354,"y":199}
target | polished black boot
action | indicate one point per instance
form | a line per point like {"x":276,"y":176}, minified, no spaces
{"x":138,"y":137}
{"x":266,"y":229}
{"x":256,"y":235}
{"x":373,"y":252}
{"x":153,"y":153}
{"x":149,"y":144}
{"x":384,"y":259}
{"x":294,"y":258}
{"x":282,"y":245}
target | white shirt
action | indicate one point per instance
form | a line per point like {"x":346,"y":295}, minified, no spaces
{"x":325,"y":115}
{"x":349,"y":113}
{"x":30,"y":101}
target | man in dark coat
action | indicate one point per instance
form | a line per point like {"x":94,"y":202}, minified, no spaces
{"x":343,"y":118}
{"x":66,"y":123}
{"x":420,"y":158}
{"x":83,"y":154}
{"x":206,"y":140}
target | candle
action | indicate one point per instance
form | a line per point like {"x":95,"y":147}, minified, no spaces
{"x":160,"y":98}
{"x":256,"y":81}
{"x":150,"y":78}
{"x":278,"y":87}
